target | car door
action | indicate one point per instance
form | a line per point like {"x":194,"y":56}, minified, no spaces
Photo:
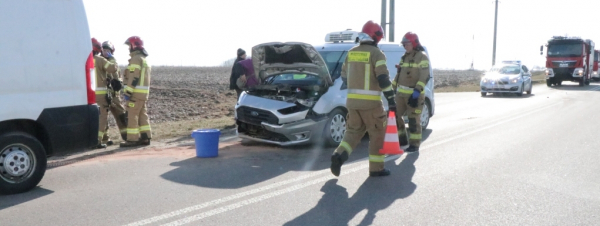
{"x":526,"y":77}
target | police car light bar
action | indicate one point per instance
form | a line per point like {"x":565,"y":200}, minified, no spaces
{"x":341,"y":36}
{"x":512,"y":62}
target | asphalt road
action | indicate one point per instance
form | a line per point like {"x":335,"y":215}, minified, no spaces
{"x":498,"y":160}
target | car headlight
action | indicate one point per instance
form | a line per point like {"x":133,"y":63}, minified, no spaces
{"x":484,"y":80}
{"x":307,"y":103}
{"x":515,"y":80}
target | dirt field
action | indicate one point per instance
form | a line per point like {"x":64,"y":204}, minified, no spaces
{"x":183,"y":99}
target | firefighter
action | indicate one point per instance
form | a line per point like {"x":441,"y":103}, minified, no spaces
{"x":103,"y":99}
{"x":412,"y":76}
{"x":365,"y":74}
{"x":114,"y":90}
{"x":136,"y":90}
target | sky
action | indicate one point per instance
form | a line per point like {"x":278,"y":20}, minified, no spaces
{"x":455,"y":32}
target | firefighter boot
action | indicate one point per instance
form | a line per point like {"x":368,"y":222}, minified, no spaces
{"x":100,"y":146}
{"x":144,"y":140}
{"x":337,"y":160}
{"x":128,"y":144}
{"x":412,"y":148}
{"x":383,"y":172}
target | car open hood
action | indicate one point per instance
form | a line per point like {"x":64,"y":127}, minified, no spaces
{"x":277,"y":57}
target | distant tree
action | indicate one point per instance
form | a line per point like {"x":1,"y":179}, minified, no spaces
{"x":229,"y":63}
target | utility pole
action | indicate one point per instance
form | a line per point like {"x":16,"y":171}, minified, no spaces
{"x":384,"y":22}
{"x":495,"y":28}
{"x":392,"y":19}
{"x":383,"y":14}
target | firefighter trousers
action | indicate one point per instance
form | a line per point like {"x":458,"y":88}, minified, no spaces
{"x":414,"y":119}
{"x":118,"y":113}
{"x":358,"y":122}
{"x":138,"y":124}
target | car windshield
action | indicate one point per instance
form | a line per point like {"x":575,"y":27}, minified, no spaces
{"x":293,"y":79}
{"x":565,"y":50}
{"x":507,"y":69}
{"x":334,"y":61}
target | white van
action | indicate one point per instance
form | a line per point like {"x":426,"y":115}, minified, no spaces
{"x":312,"y":109}
{"x":47,"y":97}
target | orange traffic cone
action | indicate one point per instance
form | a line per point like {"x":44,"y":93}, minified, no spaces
{"x":391,"y":145}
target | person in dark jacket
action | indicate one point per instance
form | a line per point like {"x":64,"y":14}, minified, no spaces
{"x":236,"y":71}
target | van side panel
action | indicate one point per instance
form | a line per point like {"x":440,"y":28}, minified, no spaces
{"x":68,"y":128}
{"x":43,"y":54}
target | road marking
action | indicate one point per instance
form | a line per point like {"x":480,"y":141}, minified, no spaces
{"x":264,"y":197}
{"x":344,"y":172}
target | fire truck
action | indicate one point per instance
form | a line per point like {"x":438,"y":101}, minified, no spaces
{"x":569,"y":59}
{"x":596,"y":74}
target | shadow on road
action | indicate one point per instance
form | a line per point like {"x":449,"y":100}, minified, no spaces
{"x":249,"y":163}
{"x":576,"y":87}
{"x":508,"y":95}
{"x":375,"y":194}
{"x":17,"y":199}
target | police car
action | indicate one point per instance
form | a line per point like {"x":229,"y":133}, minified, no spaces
{"x":312,"y":109}
{"x":507,"y":77}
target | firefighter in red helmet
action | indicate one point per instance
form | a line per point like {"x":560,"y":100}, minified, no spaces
{"x":410,"y":82}
{"x":103,"y":69}
{"x":136,"y":90}
{"x":366,"y":75}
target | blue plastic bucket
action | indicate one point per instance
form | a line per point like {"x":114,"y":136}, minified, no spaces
{"x":207,"y":142}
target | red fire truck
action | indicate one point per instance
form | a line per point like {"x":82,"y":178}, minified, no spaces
{"x":569,"y":59}
{"x":596,"y":74}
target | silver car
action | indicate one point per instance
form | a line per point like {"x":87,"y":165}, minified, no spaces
{"x":299,"y":101}
{"x":507,"y":77}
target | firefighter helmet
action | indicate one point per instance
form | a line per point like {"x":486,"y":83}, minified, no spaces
{"x":108,"y":45}
{"x":373,"y":30}
{"x":135,"y":42}
{"x":412,"y":38}
{"x":96,"y":45}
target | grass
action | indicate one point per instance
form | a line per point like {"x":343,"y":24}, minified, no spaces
{"x":167,"y":130}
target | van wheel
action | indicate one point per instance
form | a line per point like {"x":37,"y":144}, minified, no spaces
{"x":22,"y":162}
{"x":335,"y":128}
{"x":483,"y":94}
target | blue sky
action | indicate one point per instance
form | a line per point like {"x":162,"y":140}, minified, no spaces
{"x":206,"y":33}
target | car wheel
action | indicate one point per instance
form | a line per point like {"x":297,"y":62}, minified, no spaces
{"x":335,"y":128}
{"x":548,"y":82}
{"x":425,"y":115}
{"x":521,"y":92}
{"x":22,"y":162}
{"x":530,"y":88}
{"x":483,"y":94}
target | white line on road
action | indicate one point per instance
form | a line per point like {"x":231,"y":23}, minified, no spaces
{"x":325,"y":178}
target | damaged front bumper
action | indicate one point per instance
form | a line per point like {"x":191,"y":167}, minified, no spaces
{"x":272,"y":121}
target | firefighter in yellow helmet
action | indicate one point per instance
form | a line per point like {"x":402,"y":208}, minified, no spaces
{"x":413,"y":75}
{"x":136,"y":90}
{"x":366,"y":75}
{"x":114,"y":90}
{"x":103,"y":67}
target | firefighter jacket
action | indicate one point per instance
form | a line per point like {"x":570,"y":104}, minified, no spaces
{"x":137,"y":77}
{"x":103,"y":68}
{"x":361,"y":69}
{"x":414,"y":73}
{"x":117,"y":74}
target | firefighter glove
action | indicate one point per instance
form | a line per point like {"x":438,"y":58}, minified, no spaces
{"x":415,"y":95}
{"x":116,"y":85}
